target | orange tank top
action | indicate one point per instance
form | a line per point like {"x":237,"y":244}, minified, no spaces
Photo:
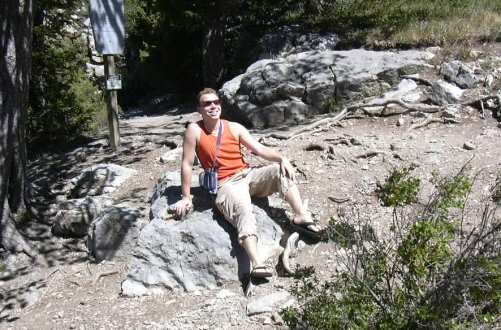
{"x":230,"y":159}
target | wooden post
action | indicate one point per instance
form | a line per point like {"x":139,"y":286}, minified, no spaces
{"x":112,"y":103}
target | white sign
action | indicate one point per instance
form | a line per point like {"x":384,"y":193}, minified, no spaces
{"x":114,"y":82}
{"x":108,"y":25}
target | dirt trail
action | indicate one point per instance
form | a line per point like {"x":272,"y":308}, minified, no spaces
{"x":339,"y":174}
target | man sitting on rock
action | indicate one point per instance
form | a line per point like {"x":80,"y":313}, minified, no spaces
{"x":236,"y":181}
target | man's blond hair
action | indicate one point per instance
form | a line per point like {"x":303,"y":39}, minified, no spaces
{"x":205,"y":91}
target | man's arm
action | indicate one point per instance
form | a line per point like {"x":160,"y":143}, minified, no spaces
{"x":263,"y":151}
{"x":189,"y":145}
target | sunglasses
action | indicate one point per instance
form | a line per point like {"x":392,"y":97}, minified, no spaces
{"x":208,"y":103}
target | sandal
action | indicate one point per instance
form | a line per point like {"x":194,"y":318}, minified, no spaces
{"x":305,"y":226}
{"x":305,"y":229}
{"x":261,"y":271}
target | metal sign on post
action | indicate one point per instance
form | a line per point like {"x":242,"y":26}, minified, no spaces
{"x":114,"y":82}
{"x":108,"y":25}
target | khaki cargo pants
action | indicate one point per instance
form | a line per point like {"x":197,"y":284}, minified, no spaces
{"x":234,"y":196}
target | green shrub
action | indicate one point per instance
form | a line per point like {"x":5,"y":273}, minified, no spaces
{"x":63,"y":99}
{"x":428,"y":275}
{"x":399,"y":188}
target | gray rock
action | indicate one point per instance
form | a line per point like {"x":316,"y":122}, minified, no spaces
{"x":469,"y":146}
{"x":452,"y":111}
{"x":167,"y":192}
{"x":171,"y":155}
{"x":443,"y":93}
{"x":74,"y":216}
{"x":461,"y":74}
{"x":308,"y":82}
{"x":269,"y":303}
{"x":489,"y":80}
{"x":113,"y":234}
{"x":406,"y":90}
{"x":289,"y":39}
{"x":201,"y":252}
{"x":99,"y":179}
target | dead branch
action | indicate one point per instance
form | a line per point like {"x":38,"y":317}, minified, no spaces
{"x":278,"y":136}
{"x":73,"y":282}
{"x":483,"y":99}
{"x":338,"y":199}
{"x":365,"y":108}
{"x":433,"y":120}
{"x":417,"y":79}
{"x":370,"y":154}
{"x":409,"y":108}
{"x":52,"y":273}
{"x":289,"y":247}
{"x":103,"y":274}
{"x":330,"y":120}
{"x":301,"y":131}
{"x":338,"y":140}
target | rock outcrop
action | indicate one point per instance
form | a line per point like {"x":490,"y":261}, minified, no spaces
{"x":74,"y":216}
{"x":113,"y":234}
{"x":99,"y":179}
{"x":286,"y":90}
{"x":200,"y":252}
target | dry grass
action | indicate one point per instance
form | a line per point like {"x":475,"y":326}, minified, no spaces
{"x":481,"y":26}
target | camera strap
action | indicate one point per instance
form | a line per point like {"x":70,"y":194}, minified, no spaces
{"x":220,"y":133}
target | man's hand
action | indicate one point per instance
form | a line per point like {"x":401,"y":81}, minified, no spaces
{"x":183,"y":207}
{"x":286,"y":169}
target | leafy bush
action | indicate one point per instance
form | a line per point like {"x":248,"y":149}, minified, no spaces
{"x":399,"y":189}
{"x":428,"y":274}
{"x":63,"y":99}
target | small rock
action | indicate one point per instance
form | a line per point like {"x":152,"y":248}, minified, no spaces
{"x":499,"y":125}
{"x":225,"y":293}
{"x":266,"y":320}
{"x":489,"y":80}
{"x":277,"y":319}
{"x":400,"y":121}
{"x":469,"y":146}
{"x":314,"y":147}
{"x":355,"y":142}
{"x":395,"y":147}
{"x":269,"y":303}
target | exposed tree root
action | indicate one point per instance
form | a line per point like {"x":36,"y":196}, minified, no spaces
{"x":434,"y":120}
{"x":368,"y":109}
{"x":289,"y":248}
{"x":370,"y":154}
{"x":103,"y":274}
{"x":418,"y":79}
{"x":483,"y":99}
{"x":415,"y":107}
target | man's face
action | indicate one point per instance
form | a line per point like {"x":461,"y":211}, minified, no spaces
{"x":209,"y":106}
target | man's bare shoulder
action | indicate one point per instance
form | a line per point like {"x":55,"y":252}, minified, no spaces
{"x":192,"y":131}
{"x":192,"y":125}
{"x":192,"y":128}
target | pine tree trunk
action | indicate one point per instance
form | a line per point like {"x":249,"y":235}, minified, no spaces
{"x":15,"y":70}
